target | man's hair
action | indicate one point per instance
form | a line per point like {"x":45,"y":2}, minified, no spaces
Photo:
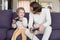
{"x":20,"y":8}
{"x":36,"y":7}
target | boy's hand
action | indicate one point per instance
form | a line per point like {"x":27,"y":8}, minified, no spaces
{"x":13,"y":21}
{"x":41,"y":28}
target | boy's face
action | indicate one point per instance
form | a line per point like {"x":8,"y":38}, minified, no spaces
{"x":21,"y":13}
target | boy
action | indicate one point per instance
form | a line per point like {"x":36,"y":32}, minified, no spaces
{"x":21,"y":24}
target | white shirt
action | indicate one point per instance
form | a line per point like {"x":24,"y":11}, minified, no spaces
{"x":20,"y":24}
{"x":43,"y":18}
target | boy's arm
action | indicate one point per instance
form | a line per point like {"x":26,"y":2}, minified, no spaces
{"x":14,"y":23}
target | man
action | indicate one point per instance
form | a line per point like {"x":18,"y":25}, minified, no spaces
{"x":42,"y":21}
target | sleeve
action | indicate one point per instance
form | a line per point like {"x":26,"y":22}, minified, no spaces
{"x":19,"y":24}
{"x":30,"y":25}
{"x":25,"y":22}
{"x":14,"y":25}
{"x":48,"y":18}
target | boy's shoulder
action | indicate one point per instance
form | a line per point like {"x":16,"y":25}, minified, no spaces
{"x":24,"y":18}
{"x":17,"y":19}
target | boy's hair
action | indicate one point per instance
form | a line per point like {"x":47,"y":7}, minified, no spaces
{"x":36,"y":7}
{"x":20,"y":8}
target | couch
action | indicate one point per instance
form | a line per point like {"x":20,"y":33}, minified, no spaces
{"x":6,"y":29}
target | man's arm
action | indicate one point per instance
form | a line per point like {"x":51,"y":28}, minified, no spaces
{"x":30,"y":25}
{"x":25,"y":22}
{"x":48,"y":18}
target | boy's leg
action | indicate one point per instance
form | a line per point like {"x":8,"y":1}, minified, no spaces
{"x":24,"y":35}
{"x":30,"y":35}
{"x":13,"y":36}
{"x":47,"y":33}
{"x":16,"y":33}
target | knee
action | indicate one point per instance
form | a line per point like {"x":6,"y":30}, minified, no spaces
{"x":50,"y":27}
{"x":26,"y":31}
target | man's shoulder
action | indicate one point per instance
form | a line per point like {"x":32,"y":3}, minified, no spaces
{"x":45,"y":10}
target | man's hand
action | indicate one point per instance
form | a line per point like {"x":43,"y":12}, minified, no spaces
{"x":31,"y":30}
{"x":41,"y":28}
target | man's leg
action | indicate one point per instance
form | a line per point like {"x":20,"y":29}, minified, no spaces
{"x":47,"y":33}
{"x":30,"y":35}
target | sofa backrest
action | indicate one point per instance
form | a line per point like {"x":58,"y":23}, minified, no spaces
{"x":55,"y":20}
{"x":26,"y":15}
{"x":55,"y":17}
{"x":6,"y":17}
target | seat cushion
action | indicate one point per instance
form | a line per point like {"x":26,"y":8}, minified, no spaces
{"x":10,"y":33}
{"x":19,"y":37}
{"x":39,"y":36}
{"x":55,"y":35}
{"x":55,"y":20}
{"x":2,"y":34}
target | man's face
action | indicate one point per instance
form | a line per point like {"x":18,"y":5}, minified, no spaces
{"x":31,"y":9}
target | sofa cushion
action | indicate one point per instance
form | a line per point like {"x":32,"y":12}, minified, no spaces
{"x":10,"y":33}
{"x":39,"y":36}
{"x":55,"y":35}
{"x":55,"y":20}
{"x":5,"y":18}
{"x":2,"y":34}
{"x":26,"y":15}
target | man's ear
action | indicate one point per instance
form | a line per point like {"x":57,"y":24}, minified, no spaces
{"x":17,"y":14}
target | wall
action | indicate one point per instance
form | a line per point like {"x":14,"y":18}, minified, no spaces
{"x":56,"y":5}
{"x":59,"y":4}
{"x":54,"y":2}
{"x":15,"y":4}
